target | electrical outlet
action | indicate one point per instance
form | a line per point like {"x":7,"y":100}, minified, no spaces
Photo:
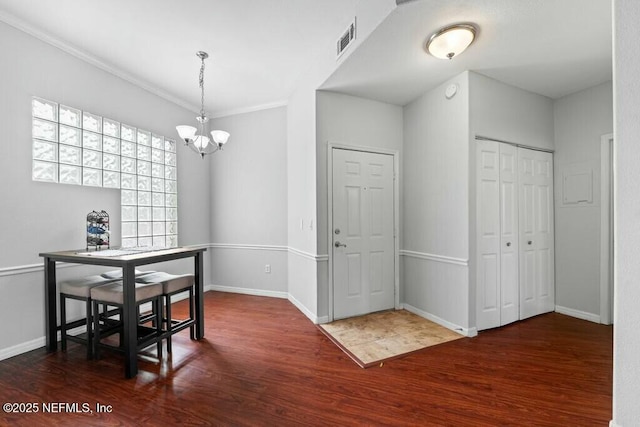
{"x":267,"y":268}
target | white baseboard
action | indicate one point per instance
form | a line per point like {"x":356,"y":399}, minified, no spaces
{"x":248,"y":291}
{"x":24,"y":347}
{"x":467,"y":332}
{"x":315,"y":319}
{"x":613,"y":424}
{"x":274,"y":294}
{"x":578,"y":314}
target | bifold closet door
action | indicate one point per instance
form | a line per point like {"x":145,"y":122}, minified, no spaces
{"x":509,"y":235}
{"x":497,"y":231}
{"x":537,"y":283}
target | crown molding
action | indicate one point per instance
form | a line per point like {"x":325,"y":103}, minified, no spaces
{"x":244,"y":110}
{"x":69,"y":48}
{"x":41,"y":35}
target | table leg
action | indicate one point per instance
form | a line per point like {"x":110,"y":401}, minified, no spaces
{"x":51,"y":313}
{"x":199,"y":297}
{"x":130,"y":322}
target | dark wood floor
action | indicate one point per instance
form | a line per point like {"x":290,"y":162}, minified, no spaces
{"x":263,"y":363}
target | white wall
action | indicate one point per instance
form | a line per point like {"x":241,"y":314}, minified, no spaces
{"x":301,"y":197}
{"x":248,"y":191}
{"x":435,"y":209}
{"x":37,"y":217}
{"x":580,"y":121}
{"x":352,"y":121}
{"x":301,"y":158}
{"x":508,"y":113}
{"x":626,"y":339}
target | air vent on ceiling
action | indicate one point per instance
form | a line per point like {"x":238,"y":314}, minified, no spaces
{"x":346,"y":38}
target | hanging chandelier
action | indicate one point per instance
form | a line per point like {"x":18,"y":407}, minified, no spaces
{"x":200,"y":143}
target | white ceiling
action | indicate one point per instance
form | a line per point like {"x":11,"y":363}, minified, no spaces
{"x":259,"y":49}
{"x":550,"y":47}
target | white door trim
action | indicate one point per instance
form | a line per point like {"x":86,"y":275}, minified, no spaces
{"x":396,"y":215}
{"x":606,"y":265}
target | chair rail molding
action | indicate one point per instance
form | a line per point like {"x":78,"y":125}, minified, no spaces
{"x":437,"y":258}
{"x":247,"y":247}
{"x":30,"y":268}
{"x":278,"y":248}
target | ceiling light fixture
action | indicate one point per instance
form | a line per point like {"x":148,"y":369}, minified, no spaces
{"x":451,"y":41}
{"x":200,"y":143}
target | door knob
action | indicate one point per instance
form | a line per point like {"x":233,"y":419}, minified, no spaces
{"x":338,"y":244}
{"x":508,"y":243}
{"x":529,"y":242}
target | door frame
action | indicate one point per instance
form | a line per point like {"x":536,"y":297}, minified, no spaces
{"x":396,"y":215}
{"x":606,"y":228}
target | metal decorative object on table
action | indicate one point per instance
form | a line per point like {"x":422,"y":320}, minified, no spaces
{"x":97,"y":230}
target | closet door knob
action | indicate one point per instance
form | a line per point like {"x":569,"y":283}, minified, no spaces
{"x":529,"y":242}
{"x":508,"y":243}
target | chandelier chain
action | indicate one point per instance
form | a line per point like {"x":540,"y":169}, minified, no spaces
{"x":202,"y":88}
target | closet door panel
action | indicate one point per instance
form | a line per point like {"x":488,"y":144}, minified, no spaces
{"x":488,"y":235}
{"x":544,"y":232}
{"x":509,"y":304}
{"x":527,"y":284}
{"x":537,"y":287}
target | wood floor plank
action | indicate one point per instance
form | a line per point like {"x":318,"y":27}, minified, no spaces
{"x":262,"y":363}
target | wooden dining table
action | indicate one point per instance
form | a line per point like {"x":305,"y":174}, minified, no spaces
{"x":126,"y":259}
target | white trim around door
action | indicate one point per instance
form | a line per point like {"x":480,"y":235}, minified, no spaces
{"x":606,"y":227}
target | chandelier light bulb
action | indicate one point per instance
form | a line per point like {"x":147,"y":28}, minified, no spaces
{"x":187,"y":133}
{"x":201,"y":142}
{"x":220,"y":137}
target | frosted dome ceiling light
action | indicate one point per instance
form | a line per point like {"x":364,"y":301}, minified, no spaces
{"x":451,"y":41}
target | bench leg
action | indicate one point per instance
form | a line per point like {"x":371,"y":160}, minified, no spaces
{"x":63,"y":322}
{"x":96,"y":332}
{"x":157,"y":304}
{"x":169,"y":325}
{"x":89,"y":329}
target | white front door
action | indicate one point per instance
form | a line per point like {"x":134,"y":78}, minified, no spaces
{"x":537,"y":288}
{"x":363,"y":239}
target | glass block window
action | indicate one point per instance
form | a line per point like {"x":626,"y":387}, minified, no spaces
{"x":71,"y":146}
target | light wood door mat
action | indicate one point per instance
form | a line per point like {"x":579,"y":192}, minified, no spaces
{"x":385,"y":335}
